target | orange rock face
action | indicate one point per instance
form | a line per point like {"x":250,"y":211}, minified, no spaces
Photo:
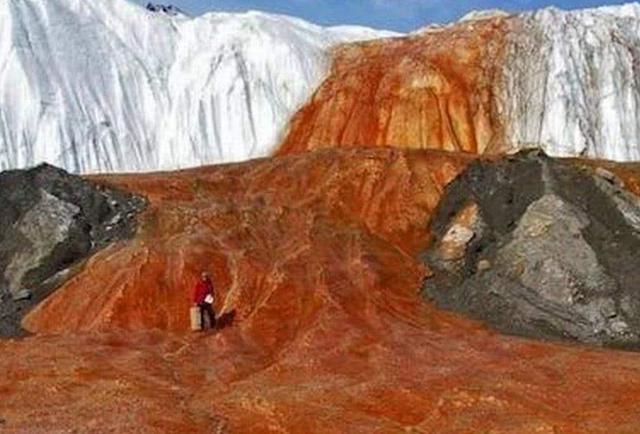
{"x":433,"y":90}
{"x":315,"y":260}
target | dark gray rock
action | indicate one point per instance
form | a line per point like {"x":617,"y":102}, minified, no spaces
{"x":49,"y":222}
{"x":557,"y":256}
{"x":166,"y":9}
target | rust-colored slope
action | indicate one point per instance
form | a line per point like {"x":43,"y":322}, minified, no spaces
{"x":433,"y":90}
{"x":316,"y":254}
{"x":283,"y":238}
{"x":340,"y":379}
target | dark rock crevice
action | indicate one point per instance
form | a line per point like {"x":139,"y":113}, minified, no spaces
{"x":50,"y":221}
{"x":542,"y":248}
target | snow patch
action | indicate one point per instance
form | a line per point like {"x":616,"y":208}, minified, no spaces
{"x":484,"y":15}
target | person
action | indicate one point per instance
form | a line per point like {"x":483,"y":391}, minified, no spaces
{"x":203,"y":298}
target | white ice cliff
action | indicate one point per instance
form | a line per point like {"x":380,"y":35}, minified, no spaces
{"x":572,"y":82}
{"x":106,"y":85}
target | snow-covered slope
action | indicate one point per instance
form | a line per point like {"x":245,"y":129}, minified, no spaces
{"x":106,"y":85}
{"x":572,"y":82}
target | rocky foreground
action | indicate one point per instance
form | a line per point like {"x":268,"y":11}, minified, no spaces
{"x":318,"y":260}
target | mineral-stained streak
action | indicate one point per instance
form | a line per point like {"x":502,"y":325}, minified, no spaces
{"x":316,"y":258}
{"x":563,"y":81}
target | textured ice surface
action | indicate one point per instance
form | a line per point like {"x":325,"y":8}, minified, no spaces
{"x":106,"y":85}
{"x":573,"y":82}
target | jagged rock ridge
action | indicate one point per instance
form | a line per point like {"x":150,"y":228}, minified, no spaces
{"x":167,"y":9}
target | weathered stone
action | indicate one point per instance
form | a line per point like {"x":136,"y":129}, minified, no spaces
{"x":459,"y":234}
{"x":23,"y":294}
{"x":627,"y":203}
{"x":483,"y":265}
{"x":51,"y":220}
{"x":609,"y":176}
{"x":562,"y":251}
{"x":43,"y":227}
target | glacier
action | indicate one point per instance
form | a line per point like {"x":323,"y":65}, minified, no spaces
{"x":107,"y":85}
{"x":572,"y":82}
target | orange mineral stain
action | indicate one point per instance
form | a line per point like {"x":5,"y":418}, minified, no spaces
{"x":315,"y":259}
{"x":431,"y":90}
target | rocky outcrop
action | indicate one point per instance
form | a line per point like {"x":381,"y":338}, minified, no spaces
{"x":51,"y":220}
{"x":566,"y":81}
{"x":167,"y":9}
{"x":543,"y":248}
{"x":318,"y":256}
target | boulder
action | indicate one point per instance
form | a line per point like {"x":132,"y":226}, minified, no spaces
{"x":609,"y":176}
{"x":556,"y":257}
{"x":483,"y":265}
{"x":464,"y":227}
{"x":52,"y":220}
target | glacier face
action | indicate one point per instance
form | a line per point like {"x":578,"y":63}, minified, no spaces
{"x":572,"y":82}
{"x":107,"y":85}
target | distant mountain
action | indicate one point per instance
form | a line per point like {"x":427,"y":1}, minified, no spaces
{"x":106,"y":85}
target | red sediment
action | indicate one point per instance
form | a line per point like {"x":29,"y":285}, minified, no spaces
{"x":433,"y":90}
{"x":317,"y":255}
{"x":273,"y":234}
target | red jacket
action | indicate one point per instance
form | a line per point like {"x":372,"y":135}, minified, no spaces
{"x":201,"y":290}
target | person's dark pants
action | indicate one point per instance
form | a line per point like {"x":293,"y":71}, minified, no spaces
{"x":206,"y":308}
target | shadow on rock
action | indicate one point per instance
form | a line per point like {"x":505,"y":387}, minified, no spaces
{"x":226,"y":320}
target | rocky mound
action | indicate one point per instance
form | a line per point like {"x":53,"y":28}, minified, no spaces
{"x":542,"y":248}
{"x":50,"y":221}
